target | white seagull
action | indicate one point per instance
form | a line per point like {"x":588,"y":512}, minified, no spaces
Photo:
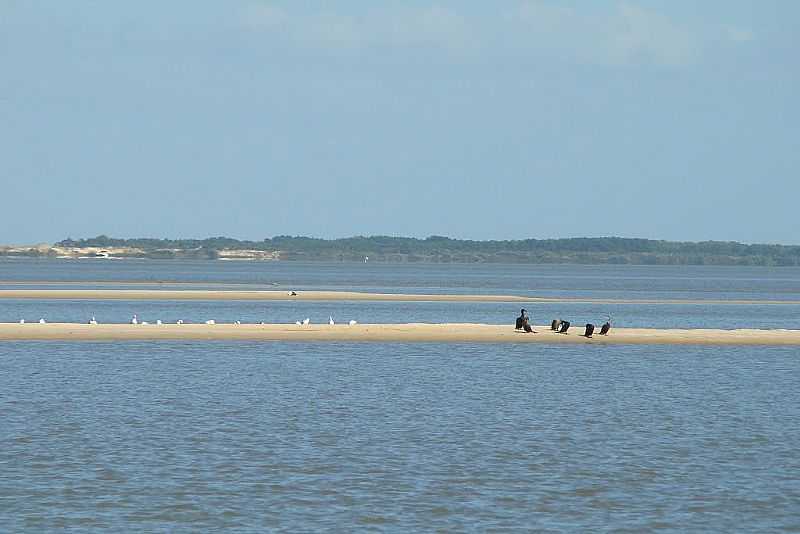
{"x":92,"y":320}
{"x":179,"y":321}
{"x":353,"y":322}
{"x":306,"y":321}
{"x":134,"y":319}
{"x":330,"y":320}
{"x":211,"y":321}
{"x":42,"y":321}
{"x":22,"y":321}
{"x":158,"y":322}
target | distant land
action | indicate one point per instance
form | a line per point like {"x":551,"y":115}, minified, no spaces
{"x":434,"y":249}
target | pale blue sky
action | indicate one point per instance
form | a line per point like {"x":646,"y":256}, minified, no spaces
{"x":483,"y":120}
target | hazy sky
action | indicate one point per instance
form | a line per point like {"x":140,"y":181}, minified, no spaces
{"x":508,"y":119}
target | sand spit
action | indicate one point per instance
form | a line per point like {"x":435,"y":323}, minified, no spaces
{"x":405,"y":333}
{"x":196,"y":294}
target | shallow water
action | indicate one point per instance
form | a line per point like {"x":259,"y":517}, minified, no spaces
{"x":629,"y":315}
{"x":199,"y":436}
{"x":598,"y":281}
{"x":613,"y":282}
{"x":302,"y":437}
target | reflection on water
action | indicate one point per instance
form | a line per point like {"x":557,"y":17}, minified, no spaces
{"x":296,"y":437}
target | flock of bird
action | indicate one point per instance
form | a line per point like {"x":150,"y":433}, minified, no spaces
{"x":307,"y":321}
{"x":135,"y":320}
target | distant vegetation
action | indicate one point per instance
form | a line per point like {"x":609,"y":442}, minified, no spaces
{"x":437,"y":249}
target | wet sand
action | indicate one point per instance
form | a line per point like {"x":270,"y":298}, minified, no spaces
{"x":406,"y":333}
{"x":193,"y":294}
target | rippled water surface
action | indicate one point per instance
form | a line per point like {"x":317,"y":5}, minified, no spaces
{"x":308,"y":437}
{"x":195,"y":437}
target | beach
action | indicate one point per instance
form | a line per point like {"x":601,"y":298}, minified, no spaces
{"x":379,"y":333}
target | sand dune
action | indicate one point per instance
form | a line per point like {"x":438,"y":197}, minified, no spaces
{"x":437,"y":333}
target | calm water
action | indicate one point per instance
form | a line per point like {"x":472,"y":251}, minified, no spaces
{"x":200,"y":436}
{"x":617,"y":282}
{"x":299,"y":437}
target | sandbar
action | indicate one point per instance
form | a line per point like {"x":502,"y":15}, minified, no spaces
{"x":272,"y":295}
{"x":403,"y":333}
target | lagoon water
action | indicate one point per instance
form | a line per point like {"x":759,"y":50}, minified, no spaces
{"x":195,"y":436}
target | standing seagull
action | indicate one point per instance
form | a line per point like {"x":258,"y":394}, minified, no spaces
{"x":330,"y":320}
{"x":42,"y":321}
{"x":134,"y":319}
{"x":306,"y":321}
{"x":92,"y":320}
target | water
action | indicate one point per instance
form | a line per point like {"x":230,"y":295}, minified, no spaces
{"x":597,"y":281}
{"x":615,"y":282}
{"x":307,"y":437}
{"x":294,"y":437}
{"x":629,"y":315}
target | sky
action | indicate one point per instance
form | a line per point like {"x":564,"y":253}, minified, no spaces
{"x":513,"y":119}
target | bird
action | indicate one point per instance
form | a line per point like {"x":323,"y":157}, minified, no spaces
{"x":144,"y":322}
{"x":42,"y":321}
{"x":211,"y":321}
{"x":606,"y":327}
{"x":158,"y":322}
{"x":298,"y":323}
{"x":330,"y":320}
{"x":237,"y":322}
{"x":353,"y":322}
{"x":306,"y":321}
{"x":134,"y":319}
{"x":179,"y":321}
{"x":92,"y":320}
{"x":22,"y":321}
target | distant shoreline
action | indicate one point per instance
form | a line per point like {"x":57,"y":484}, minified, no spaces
{"x":434,"y":249}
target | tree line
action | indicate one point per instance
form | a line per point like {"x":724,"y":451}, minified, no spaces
{"x":613,"y":250}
